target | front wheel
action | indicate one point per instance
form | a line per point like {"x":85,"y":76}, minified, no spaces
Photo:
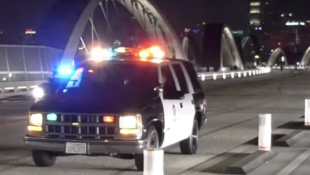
{"x":43,"y":158}
{"x":153,"y":143}
{"x":190,"y":145}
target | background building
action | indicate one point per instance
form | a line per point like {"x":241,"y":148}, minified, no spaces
{"x":278,"y":27}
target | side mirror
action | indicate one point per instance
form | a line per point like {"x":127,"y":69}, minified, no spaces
{"x":159,"y":88}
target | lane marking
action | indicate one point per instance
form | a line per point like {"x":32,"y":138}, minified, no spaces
{"x":293,"y":165}
{"x":213,"y":160}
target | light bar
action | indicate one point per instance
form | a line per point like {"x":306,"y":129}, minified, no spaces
{"x":154,"y":52}
{"x":99,"y":54}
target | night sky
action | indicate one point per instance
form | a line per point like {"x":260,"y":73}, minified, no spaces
{"x":18,"y":15}
{"x":182,"y":13}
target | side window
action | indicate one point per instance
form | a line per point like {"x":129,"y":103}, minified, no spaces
{"x":193,"y":76}
{"x":181,"y":77}
{"x":169,"y":86}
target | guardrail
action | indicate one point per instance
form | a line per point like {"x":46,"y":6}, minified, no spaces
{"x":292,"y":67}
{"x":232,"y":74}
{"x":8,"y":89}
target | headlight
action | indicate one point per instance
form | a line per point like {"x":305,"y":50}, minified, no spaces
{"x":130,"y":125}
{"x":36,"y":119}
{"x":129,"y":122}
{"x":38,"y":92}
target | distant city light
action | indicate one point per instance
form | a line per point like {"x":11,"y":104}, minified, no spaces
{"x":255,"y":3}
{"x":196,"y":31}
{"x":294,"y":23}
{"x":30,"y":32}
{"x":290,"y":14}
{"x":254,"y":11}
{"x":282,"y":15}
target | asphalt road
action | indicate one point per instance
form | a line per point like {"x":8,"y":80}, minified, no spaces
{"x":233,"y":109}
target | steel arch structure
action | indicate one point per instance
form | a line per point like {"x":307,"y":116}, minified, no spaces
{"x":305,"y":61}
{"x":219,"y":48}
{"x":245,"y":40}
{"x":276,"y":55}
{"x":249,"y":48}
{"x":147,"y":15}
{"x":191,"y":47}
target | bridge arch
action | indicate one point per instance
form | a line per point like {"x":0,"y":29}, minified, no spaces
{"x":250,"y":50}
{"x":277,"y":53}
{"x":191,"y":47}
{"x":146,"y":14}
{"x":219,"y":48}
{"x":305,"y":61}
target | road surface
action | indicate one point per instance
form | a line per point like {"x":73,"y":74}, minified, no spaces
{"x":233,"y":109}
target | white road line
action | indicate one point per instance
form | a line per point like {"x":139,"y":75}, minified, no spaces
{"x":213,"y":160}
{"x":293,"y":165}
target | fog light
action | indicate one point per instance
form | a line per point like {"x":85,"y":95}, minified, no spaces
{"x":130,"y":131}
{"x":51,"y":117}
{"x":34,"y":128}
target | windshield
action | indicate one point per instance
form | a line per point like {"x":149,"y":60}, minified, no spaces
{"x":133,"y":78}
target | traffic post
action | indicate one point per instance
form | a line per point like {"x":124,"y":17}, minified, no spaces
{"x":153,"y":162}
{"x":307,"y":112}
{"x":264,"y":132}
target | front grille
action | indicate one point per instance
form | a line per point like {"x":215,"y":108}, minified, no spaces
{"x":75,"y":126}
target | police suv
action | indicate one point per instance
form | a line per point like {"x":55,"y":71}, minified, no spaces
{"x":117,"y":108}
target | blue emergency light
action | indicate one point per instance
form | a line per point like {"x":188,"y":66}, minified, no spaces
{"x":65,"y":68}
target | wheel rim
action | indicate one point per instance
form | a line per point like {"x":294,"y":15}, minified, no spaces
{"x":153,"y":142}
{"x":194,"y":137}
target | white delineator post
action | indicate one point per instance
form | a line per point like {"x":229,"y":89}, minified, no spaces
{"x":264,"y":132}
{"x":153,"y":162}
{"x":307,"y":112}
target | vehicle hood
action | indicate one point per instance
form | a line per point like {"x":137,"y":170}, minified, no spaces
{"x":113,"y":103}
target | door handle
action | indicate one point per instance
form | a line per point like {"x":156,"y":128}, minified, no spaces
{"x":181,"y":105}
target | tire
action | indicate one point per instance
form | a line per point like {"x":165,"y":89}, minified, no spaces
{"x":190,"y":145}
{"x":153,"y":143}
{"x":43,"y":158}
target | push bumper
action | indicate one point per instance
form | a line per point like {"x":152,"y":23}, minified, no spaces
{"x":93,"y":147}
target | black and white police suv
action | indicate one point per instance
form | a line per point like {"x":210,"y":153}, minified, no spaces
{"x":118,"y":108}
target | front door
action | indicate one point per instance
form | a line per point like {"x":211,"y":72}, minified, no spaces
{"x":170,"y":105}
{"x":187,"y":107}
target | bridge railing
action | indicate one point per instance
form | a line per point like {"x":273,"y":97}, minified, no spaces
{"x":292,"y":67}
{"x":8,"y":89}
{"x":232,"y":74}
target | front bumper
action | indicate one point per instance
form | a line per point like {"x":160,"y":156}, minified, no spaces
{"x":93,"y":146}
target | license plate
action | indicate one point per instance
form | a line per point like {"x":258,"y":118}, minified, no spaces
{"x":76,"y":148}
